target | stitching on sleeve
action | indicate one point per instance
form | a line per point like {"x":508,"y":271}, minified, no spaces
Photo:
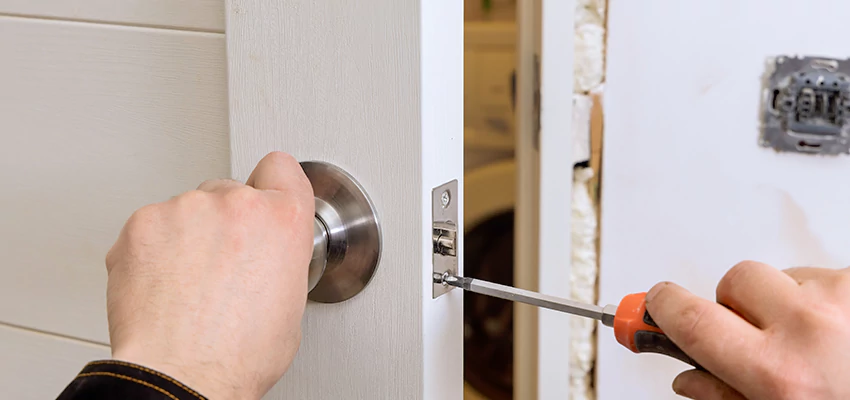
{"x":150,"y":371}
{"x":119,"y":376}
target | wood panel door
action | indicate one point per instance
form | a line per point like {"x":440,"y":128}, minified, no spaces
{"x":105,"y":106}
{"x":374,"y":87}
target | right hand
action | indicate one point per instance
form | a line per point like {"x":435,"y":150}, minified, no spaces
{"x":771,"y":335}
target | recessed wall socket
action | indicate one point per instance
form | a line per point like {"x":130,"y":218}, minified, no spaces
{"x":806,"y":105}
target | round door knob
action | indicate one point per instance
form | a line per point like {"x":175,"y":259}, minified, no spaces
{"x":346,"y":235}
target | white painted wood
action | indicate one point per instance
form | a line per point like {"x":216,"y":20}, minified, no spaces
{"x":544,"y":164}
{"x":556,"y":172}
{"x":97,"y":121}
{"x":526,"y":215}
{"x":374,"y":87}
{"x":202,"y":15}
{"x":37,"y":366}
{"x":686,"y":191}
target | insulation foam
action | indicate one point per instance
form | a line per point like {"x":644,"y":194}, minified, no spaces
{"x":589,"y":53}
{"x":584,"y":271}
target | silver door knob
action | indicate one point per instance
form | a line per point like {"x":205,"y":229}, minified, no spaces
{"x":346,"y":235}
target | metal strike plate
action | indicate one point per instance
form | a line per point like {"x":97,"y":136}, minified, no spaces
{"x":444,"y":238}
{"x":806,"y":105}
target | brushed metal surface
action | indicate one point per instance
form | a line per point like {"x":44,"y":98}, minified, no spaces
{"x":352,"y":234}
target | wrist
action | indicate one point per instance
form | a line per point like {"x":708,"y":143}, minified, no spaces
{"x":208,"y":379}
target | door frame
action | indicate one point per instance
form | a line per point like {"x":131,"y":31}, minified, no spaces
{"x":542,"y":260}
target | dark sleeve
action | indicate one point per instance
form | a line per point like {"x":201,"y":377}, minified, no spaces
{"x":110,"y":379}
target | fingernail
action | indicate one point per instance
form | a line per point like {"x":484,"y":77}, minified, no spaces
{"x":679,"y":388}
{"x":654,"y":291}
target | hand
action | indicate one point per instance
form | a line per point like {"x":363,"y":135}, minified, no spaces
{"x":784,"y":335}
{"x":210,"y":286}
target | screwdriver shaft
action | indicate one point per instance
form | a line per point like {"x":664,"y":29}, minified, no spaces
{"x":536,"y":299}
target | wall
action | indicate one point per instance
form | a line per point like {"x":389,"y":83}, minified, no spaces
{"x":687,"y":191}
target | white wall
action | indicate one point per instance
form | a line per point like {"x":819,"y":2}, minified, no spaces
{"x":686,"y":190}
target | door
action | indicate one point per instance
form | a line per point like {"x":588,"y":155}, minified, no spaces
{"x":687,"y":189}
{"x":105,"y":106}
{"x":374,"y":87}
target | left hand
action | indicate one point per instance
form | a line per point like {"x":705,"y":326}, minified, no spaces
{"x":210,"y":286}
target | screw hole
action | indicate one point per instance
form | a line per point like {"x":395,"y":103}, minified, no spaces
{"x":803,"y":145}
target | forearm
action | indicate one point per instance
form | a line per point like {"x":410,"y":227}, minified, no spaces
{"x":111,"y":379}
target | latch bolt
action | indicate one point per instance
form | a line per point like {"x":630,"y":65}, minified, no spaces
{"x":445,"y":239}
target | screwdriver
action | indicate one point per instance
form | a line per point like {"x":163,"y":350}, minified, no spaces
{"x":633,"y":327}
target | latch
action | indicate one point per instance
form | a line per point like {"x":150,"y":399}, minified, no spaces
{"x":444,"y":237}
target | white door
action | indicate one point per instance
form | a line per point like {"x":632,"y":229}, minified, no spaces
{"x":106,"y":108}
{"x":103,"y":109}
{"x":110,"y":105}
{"x":687,"y":190}
{"x":374,"y":87}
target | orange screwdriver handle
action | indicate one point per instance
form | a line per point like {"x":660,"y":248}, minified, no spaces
{"x":636,"y":330}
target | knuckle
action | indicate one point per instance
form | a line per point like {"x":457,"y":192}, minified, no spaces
{"x":296,"y":210}
{"x":244,"y":199}
{"x":691,"y":323}
{"x":193,"y":198}
{"x":742,"y":269}
{"x":207,"y":184}
{"x":144,"y":216}
{"x":735,"y":276}
{"x":111,"y":257}
{"x":142,"y":223}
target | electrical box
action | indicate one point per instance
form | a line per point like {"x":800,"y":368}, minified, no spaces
{"x":807,"y":107}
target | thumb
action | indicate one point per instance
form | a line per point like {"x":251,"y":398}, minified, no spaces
{"x":280,"y":172}
{"x":701,"y":385}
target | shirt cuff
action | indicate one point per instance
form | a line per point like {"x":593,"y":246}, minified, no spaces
{"x":112,"y":379}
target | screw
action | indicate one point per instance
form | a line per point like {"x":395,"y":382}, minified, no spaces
{"x":445,"y":199}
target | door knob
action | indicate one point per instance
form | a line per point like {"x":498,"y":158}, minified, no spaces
{"x":346,"y":235}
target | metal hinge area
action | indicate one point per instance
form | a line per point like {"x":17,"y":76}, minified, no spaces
{"x":444,"y":235}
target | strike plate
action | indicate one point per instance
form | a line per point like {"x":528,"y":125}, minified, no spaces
{"x":444,"y":222}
